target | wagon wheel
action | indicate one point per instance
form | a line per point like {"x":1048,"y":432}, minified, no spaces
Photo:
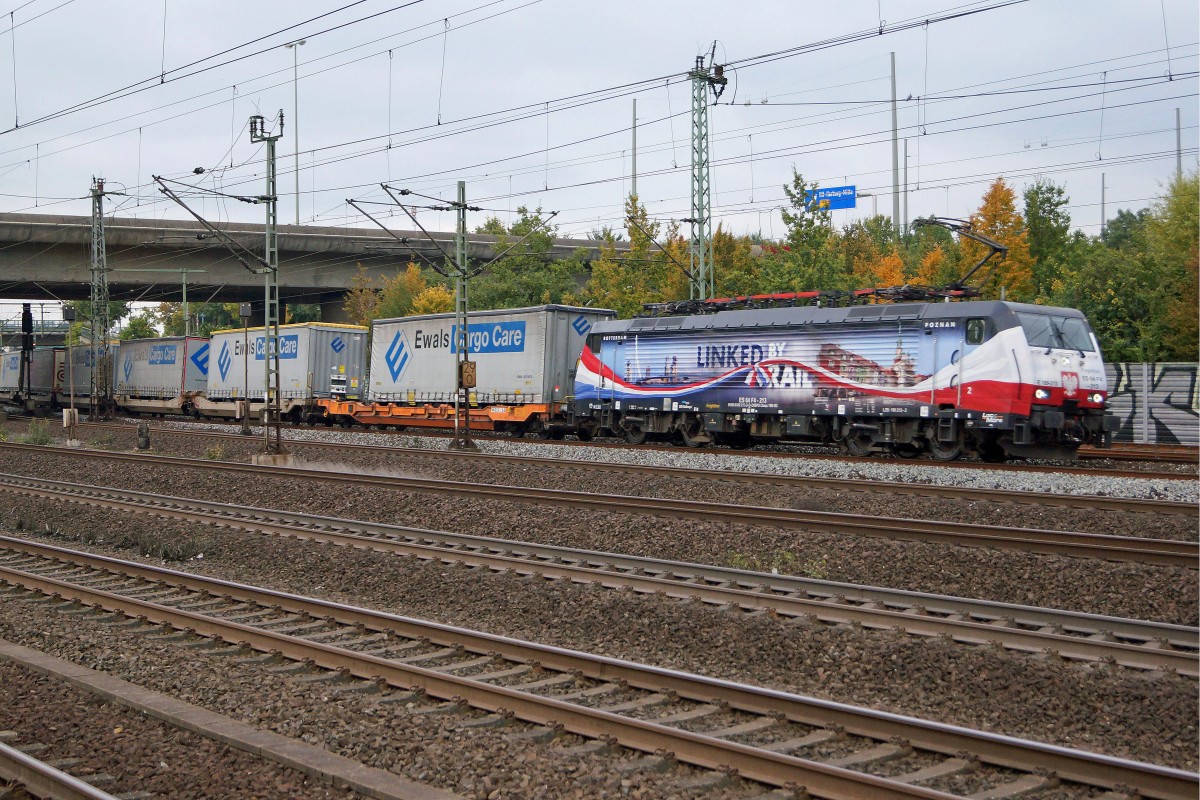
{"x":585,"y":433}
{"x":906,"y":450}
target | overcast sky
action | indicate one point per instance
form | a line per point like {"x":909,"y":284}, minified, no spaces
{"x":127,"y":89}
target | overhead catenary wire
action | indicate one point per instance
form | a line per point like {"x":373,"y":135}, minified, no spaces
{"x":144,"y":84}
{"x":625,"y":128}
{"x":545,"y":181}
{"x":672,"y":122}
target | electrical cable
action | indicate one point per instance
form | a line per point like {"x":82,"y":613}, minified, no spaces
{"x":140,"y":86}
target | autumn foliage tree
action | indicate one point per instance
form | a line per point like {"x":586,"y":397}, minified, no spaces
{"x":362,"y":300}
{"x":645,"y":274}
{"x":436,"y":299}
{"x":997,"y":218}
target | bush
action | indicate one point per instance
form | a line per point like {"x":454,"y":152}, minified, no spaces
{"x":39,"y":432}
{"x":781,"y":563}
{"x":215,"y":453}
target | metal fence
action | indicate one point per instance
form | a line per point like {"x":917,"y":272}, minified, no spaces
{"x":1156,"y":403}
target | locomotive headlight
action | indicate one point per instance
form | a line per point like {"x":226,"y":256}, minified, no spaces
{"x":1096,"y":397}
{"x":1066,"y":362}
{"x":1041,"y":394}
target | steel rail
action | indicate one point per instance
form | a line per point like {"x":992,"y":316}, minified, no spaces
{"x":785,"y":454}
{"x":1074,"y":636}
{"x":42,"y":780}
{"x":1080,"y":501}
{"x":695,"y":748}
{"x":1161,"y":552}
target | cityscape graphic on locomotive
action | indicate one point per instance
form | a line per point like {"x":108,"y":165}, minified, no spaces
{"x":985,"y":378}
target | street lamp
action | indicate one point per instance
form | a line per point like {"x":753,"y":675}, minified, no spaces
{"x":874,"y":201}
{"x":295,"y":48}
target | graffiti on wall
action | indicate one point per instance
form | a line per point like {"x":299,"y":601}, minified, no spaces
{"x":1156,"y":403}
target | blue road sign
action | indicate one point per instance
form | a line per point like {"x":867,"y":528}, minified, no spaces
{"x":835,"y":197}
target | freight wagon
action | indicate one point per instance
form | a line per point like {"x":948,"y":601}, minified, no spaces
{"x":316,"y":361}
{"x":50,"y":376}
{"x":79,"y":370}
{"x":46,"y":381}
{"x":161,"y":376}
{"x":525,"y":363}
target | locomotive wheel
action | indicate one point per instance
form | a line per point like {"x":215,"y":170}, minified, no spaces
{"x":585,"y":433}
{"x":693,"y":435}
{"x":634,"y":434}
{"x":945,"y":451}
{"x":736,"y":441}
{"x":906,"y":450}
{"x":992,"y":452}
{"x":859,"y":444}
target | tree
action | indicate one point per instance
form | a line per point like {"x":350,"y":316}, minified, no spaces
{"x":399,"y":291}
{"x":302,"y":312}
{"x":998,"y":219}
{"x":117,"y":311}
{"x":645,"y":274}
{"x":362,"y":300}
{"x":529,"y":274}
{"x":1172,"y":232}
{"x":139,"y":327}
{"x":935,"y":269}
{"x":1049,"y":232}
{"x":810,"y":257}
{"x":873,"y":271}
{"x":434,"y":299}
{"x":735,"y":269}
{"x":206,"y":318}
{"x":1127,"y":229}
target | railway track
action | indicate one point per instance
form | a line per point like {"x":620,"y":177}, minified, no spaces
{"x":1162,"y":552}
{"x":760,"y":734}
{"x":1070,"y":635}
{"x":1155,"y":453}
{"x":1159,"y":552}
{"x":1043,"y":499}
{"x":35,"y":778}
{"x":1180,"y":455}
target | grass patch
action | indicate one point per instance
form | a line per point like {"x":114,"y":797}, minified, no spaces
{"x":38,"y":432}
{"x":216,"y":453}
{"x":152,"y":545}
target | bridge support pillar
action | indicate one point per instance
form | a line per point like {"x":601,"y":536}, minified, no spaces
{"x":335,"y":311}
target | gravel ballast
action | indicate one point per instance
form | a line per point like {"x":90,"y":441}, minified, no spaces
{"x":862,"y":501}
{"x":139,"y":753}
{"x":1138,"y":591}
{"x":1146,"y":716}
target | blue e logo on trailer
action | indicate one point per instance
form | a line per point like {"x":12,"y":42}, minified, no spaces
{"x":397,"y":355}
{"x":200,"y":359}
{"x":224,"y":360}
{"x":337,"y":344}
{"x":581,"y":325}
{"x":128,"y":366}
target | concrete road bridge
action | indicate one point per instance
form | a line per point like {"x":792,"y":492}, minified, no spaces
{"x":48,"y":257}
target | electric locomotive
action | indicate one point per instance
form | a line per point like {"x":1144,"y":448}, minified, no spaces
{"x":985,"y":378}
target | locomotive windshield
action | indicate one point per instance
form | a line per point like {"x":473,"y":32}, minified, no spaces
{"x":1047,"y":330}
